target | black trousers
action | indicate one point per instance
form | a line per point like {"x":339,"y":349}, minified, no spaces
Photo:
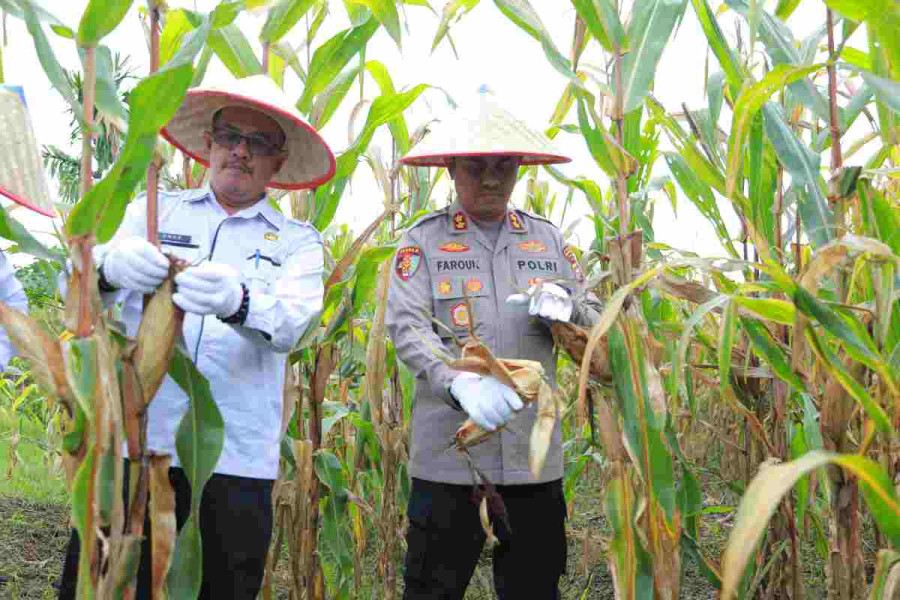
{"x":235,"y":524}
{"x":445,"y":539}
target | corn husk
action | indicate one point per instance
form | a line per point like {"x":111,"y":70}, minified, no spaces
{"x":573,"y":339}
{"x":160,"y":327}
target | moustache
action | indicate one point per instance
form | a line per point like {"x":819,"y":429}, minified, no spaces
{"x":240,"y":166}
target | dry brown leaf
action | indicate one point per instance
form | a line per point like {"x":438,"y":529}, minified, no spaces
{"x":162,"y":521}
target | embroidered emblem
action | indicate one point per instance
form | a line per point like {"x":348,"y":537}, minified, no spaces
{"x":272,"y":237}
{"x":453,"y":247}
{"x":460,"y":223}
{"x":473,"y":286}
{"x":569,"y":253}
{"x":444,"y":286}
{"x":534,"y":281}
{"x":408,"y":260}
{"x":459,"y":314}
{"x":531,"y":246}
{"x":515,"y":223}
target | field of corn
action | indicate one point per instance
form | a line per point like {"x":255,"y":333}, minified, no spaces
{"x":731,"y":426}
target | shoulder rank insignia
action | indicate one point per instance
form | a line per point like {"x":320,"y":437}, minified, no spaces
{"x":453,"y":247}
{"x":532,"y":246}
{"x":514,"y":222}
{"x":460,"y":222}
{"x":569,"y":253}
{"x":408,"y":260}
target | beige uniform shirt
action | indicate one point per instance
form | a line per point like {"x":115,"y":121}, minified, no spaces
{"x":440,"y":254}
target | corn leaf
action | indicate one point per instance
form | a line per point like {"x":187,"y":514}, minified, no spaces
{"x":13,"y":230}
{"x":771,"y":353}
{"x":107,"y":97}
{"x":747,"y":105}
{"x":330,"y":99}
{"x":162,"y":522}
{"x":526,"y":18}
{"x":649,"y":30}
{"x":48,"y":61}
{"x":17,"y":8}
{"x":630,"y":564}
{"x":770,"y":309}
{"x":198,"y":441}
{"x":727,"y":331}
{"x":772,"y":483}
{"x":176,"y":27}
{"x":883,"y":16}
{"x":331,"y":57}
{"x":880,"y":219}
{"x":282,"y":17}
{"x":385,"y":11}
{"x":397,"y":125}
{"x":888,"y":91}
{"x":602,"y":21}
{"x":450,"y":12}
{"x":719,"y":45}
{"x":99,"y":19}
{"x":152,"y":102}
{"x":234,"y":50}
{"x":786,"y":8}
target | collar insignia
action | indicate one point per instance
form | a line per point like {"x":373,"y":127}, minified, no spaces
{"x":515,"y":223}
{"x":460,"y":222}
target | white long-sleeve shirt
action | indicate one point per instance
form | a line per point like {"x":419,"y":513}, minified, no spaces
{"x":13,"y":294}
{"x":281,"y":262}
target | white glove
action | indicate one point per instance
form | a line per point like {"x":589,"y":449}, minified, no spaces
{"x":135,"y":264}
{"x":209,"y":289}
{"x":551,"y":302}
{"x":487,"y":401}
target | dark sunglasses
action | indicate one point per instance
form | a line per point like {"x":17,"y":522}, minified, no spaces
{"x":257,"y":145}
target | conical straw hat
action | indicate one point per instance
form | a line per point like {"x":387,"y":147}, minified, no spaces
{"x":22,"y":177}
{"x":489,"y":131}
{"x":310,"y":161}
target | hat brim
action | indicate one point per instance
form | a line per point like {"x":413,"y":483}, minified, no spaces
{"x":27,"y":204}
{"x":309,"y":161}
{"x":442,"y":160}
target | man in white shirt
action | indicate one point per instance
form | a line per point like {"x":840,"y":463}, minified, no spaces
{"x":254,"y":287}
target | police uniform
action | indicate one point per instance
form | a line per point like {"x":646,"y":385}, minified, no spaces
{"x":440,"y":256}
{"x":281,"y":262}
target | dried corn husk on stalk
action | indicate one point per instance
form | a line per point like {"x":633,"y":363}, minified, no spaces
{"x":573,"y":339}
{"x":160,"y":327}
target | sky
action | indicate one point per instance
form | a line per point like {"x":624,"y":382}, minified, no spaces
{"x":491,"y":51}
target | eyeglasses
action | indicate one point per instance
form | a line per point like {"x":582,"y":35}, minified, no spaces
{"x":257,"y":144}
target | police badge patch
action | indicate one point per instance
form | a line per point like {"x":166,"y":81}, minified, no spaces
{"x":408,"y":260}
{"x":459,"y":314}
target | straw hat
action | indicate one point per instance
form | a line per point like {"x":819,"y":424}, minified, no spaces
{"x":309,"y":162}
{"x":490,"y":131}
{"x":22,"y":177}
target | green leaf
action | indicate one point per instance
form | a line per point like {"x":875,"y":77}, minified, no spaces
{"x":386,"y":13}
{"x":888,"y":91}
{"x":397,"y":125}
{"x":701,"y":195}
{"x":48,"y":61}
{"x":727,"y":331}
{"x":880,"y":218}
{"x":450,"y":12}
{"x":331,"y":58}
{"x":198,"y":441}
{"x":719,"y":45}
{"x":770,"y":352}
{"x":602,"y":21}
{"x":107,"y":95}
{"x":770,"y":309}
{"x":235,"y":52}
{"x":772,"y":483}
{"x":12,"y":230}
{"x":747,"y":105}
{"x":153,"y":102}
{"x":15,"y":8}
{"x":786,"y":8}
{"x":803,"y":166}
{"x":99,"y":19}
{"x":526,"y":18}
{"x":648,"y":32}
{"x":882,"y":16}
{"x":282,"y":18}
{"x":366,"y":274}
{"x":177,"y":26}
{"x":330,"y":99}
{"x":604,"y":148}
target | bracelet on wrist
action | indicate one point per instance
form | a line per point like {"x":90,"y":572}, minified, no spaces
{"x":240,"y":316}
{"x":103,"y":283}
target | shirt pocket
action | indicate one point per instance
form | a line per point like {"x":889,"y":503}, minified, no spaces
{"x":528,"y":271}
{"x":450,"y":304}
{"x":260,"y":269}
{"x":181,"y":246}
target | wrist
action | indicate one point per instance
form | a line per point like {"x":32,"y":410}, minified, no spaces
{"x":103,"y":283}
{"x":239,"y":316}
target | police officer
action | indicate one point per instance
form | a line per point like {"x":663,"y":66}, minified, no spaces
{"x":255,"y":285}
{"x":493,"y":251}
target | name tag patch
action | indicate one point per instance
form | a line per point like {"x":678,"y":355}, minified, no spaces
{"x":469,"y":264}
{"x":544,"y":266}
{"x":177,"y":239}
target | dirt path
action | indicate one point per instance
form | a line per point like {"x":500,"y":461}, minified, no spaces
{"x":33,"y":540}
